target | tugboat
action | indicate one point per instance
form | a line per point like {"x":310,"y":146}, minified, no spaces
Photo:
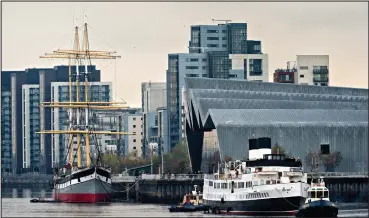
{"x":265,"y":184}
{"x":192,"y":202}
{"x":318,"y":204}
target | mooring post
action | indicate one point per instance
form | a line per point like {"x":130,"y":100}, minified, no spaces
{"x":137,"y":193}
{"x":127,"y":191}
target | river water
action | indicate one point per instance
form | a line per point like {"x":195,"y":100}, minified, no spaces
{"x":21,"y":207}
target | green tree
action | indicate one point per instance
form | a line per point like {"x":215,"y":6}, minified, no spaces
{"x":178,"y":160}
{"x":277,"y":149}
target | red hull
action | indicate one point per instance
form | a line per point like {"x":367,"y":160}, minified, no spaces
{"x":83,"y":198}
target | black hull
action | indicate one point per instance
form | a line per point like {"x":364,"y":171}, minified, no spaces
{"x":186,"y":209}
{"x":318,"y":209}
{"x":262,"y":206}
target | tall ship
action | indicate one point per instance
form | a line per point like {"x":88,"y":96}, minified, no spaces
{"x":265,"y":184}
{"x":82,"y":178}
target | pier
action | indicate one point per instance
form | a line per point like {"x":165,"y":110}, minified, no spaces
{"x":168,"y":188}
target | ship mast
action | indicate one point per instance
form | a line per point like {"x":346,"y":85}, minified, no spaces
{"x":75,"y":129}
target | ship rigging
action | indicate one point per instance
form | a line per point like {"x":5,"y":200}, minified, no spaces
{"x":87,"y":181}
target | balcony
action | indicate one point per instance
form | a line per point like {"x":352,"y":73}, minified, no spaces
{"x":321,"y":79}
{"x":320,"y":71}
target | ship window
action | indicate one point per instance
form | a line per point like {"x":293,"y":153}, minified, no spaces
{"x":319,"y":194}
{"x":255,"y":182}
{"x":218,"y":185}
{"x":224,"y":185}
{"x":267,"y":182}
{"x":274,"y":182}
{"x":210,"y":183}
{"x":261,"y":182}
{"x":241,"y":185}
{"x":326,"y":194}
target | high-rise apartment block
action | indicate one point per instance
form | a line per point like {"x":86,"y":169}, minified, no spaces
{"x":307,"y":70}
{"x":215,"y":51}
{"x":153,"y":97}
{"x":98,"y":92}
{"x":20,"y":91}
{"x":133,"y":124}
{"x":30,"y":125}
{"x":313,"y":70}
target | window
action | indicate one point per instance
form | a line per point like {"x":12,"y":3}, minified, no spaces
{"x":192,"y":75}
{"x":134,"y":148}
{"x":141,"y":118}
{"x":204,"y":67}
{"x":301,"y":76}
{"x":304,"y":68}
{"x":224,"y":31}
{"x":210,"y":183}
{"x":192,"y":67}
{"x":213,"y":46}
{"x":134,"y":132}
{"x":134,"y":118}
{"x":224,"y":45}
{"x":134,"y":140}
{"x":324,"y":148}
{"x":193,"y":59}
{"x":213,"y":38}
{"x":204,"y":60}
{"x":241,"y":185}
{"x":134,"y":126}
{"x":224,"y":38}
{"x":212,"y":31}
{"x":224,"y":185}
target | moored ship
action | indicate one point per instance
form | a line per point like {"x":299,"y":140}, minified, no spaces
{"x":265,"y":184}
{"x":87,"y":179}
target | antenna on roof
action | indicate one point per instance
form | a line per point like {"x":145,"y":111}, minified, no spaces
{"x":226,"y":21}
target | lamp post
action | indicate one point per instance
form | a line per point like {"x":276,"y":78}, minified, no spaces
{"x":162,"y":160}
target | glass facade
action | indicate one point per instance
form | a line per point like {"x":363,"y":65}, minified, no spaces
{"x":173,"y":100}
{"x":6,"y":124}
{"x":195,"y":40}
{"x":97,"y":93}
{"x":253,"y":47}
{"x":34,"y":126}
{"x":217,"y":42}
{"x":219,"y":65}
{"x":237,"y":38}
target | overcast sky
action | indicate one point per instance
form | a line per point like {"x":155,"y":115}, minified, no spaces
{"x":144,"y":33}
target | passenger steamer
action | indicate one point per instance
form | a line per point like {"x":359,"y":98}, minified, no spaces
{"x":267,"y":183}
{"x":83,"y":178}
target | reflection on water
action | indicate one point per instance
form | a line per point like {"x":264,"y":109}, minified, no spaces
{"x":21,"y":207}
{"x":25,"y":193}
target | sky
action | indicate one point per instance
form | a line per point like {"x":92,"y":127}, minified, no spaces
{"x":144,"y":33}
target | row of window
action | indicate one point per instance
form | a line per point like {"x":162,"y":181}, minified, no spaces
{"x":218,"y":185}
{"x":196,"y":67}
{"x":216,"y":31}
{"x":216,"y":45}
{"x":216,"y":38}
{"x":195,"y":59}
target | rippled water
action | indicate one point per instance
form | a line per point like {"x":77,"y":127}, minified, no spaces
{"x":21,"y":207}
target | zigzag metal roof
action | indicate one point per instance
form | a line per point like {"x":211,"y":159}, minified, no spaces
{"x":202,"y":97}
{"x":296,"y":117}
{"x":209,"y":83}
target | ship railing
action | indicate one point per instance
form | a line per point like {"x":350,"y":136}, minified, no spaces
{"x":172,"y":177}
{"x":338,"y":174}
{"x":222,"y":177}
